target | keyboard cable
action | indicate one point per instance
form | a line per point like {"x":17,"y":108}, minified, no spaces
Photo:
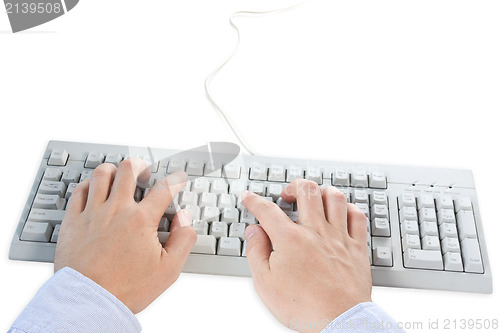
{"x":208,"y":81}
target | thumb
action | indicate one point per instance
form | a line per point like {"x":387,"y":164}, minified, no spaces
{"x":258,"y":250}
{"x":181,"y":239}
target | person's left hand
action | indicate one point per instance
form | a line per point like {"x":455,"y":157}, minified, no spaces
{"x":111,"y":239}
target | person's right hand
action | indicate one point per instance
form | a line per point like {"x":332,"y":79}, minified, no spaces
{"x":310,"y":272}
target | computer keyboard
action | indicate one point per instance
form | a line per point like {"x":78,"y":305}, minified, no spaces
{"x":424,"y":229}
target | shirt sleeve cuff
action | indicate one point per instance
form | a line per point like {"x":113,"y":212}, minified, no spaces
{"x":364,"y":317}
{"x":71,"y":302}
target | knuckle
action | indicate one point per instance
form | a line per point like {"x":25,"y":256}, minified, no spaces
{"x":103,"y":170}
{"x":126,"y":164}
{"x":334,"y":194}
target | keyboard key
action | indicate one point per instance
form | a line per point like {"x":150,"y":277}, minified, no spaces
{"x":444,"y":202}
{"x":257,"y":188}
{"x":258,"y":171}
{"x":450,"y":245}
{"x":237,"y":187}
{"x":378,"y":180}
{"x":448,"y":230}
{"x":230,"y":215}
{"x":424,"y":259}
{"x":431,"y":243}
{"x":227,"y":201}
{"x":427,"y":215}
{"x":218,"y":229}
{"x":36,"y":232}
{"x":407,"y":199}
{"x":201,"y":185}
{"x":194,"y":210}
{"x":85,"y":175}
{"x":380,"y":211}
{"x":195,"y":167}
{"x":46,"y":215}
{"x":364,"y":208}
{"x":176,"y":165}
{"x":360,"y":196}
{"x":113,"y":158}
{"x":210,"y":213}
{"x":284,"y":205}
{"x":94,"y":159}
{"x":378,"y":198}
{"x":453,"y":262}
{"x":359,"y":178}
{"x":340,"y":178}
{"x":229,"y":246}
{"x":163,"y":237}
{"x":213,"y":169}
{"x":471,"y":256}
{"x":208,"y":199}
{"x":237,"y":230}
{"x":463,"y":203}
{"x":201,"y":227}
{"x":411,"y":242}
{"x":466,"y":224}
{"x":380,"y":227}
{"x":408,"y":213}
{"x":425,"y":201}
{"x":382,"y":256}
{"x":219,"y":186}
{"x":276,"y":173}
{"x":58,"y":157}
{"x":428,"y":229}
{"x":55,"y":234}
{"x":52,"y":174}
{"x":294,"y":172}
{"x":315,"y":175}
{"x":274,"y":191}
{"x":231,"y":170}
{"x":70,"y":176}
{"x":51,"y":187}
{"x":49,"y":201}
{"x":188,"y":198}
{"x":164,"y":224}
{"x":247,"y":217}
{"x":205,"y":244}
{"x":446,"y":215}
{"x":409,"y":227}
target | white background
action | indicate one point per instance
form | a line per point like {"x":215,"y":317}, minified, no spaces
{"x":399,"y":82}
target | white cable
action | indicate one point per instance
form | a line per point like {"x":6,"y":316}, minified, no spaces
{"x":212,"y":75}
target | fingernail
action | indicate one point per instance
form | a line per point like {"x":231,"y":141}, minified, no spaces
{"x":177,"y":178}
{"x":250,"y":231}
{"x":185,"y":218}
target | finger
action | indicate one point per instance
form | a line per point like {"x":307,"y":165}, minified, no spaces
{"x":258,"y":250}
{"x":161,"y":195}
{"x":100,"y":184}
{"x":181,"y":240}
{"x":270,"y":216}
{"x":335,"y":204}
{"x":307,"y":194}
{"x":356,"y":223}
{"x":129,"y":172}
{"x":78,"y":199}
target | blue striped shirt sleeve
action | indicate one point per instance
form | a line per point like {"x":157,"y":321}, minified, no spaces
{"x":365,"y":318}
{"x":71,"y":302}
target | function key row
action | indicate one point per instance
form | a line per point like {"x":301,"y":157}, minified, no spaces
{"x":340,"y":177}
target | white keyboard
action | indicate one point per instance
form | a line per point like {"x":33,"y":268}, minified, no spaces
{"x":424,"y":229}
